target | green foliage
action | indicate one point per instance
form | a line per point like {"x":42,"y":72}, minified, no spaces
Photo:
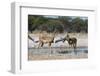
{"x":55,"y":25}
{"x":79,"y":25}
{"x":35,"y":21}
{"x":59,"y":24}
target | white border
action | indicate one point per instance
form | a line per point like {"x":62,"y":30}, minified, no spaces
{"x":17,"y":34}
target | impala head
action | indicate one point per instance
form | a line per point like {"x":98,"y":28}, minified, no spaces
{"x":67,"y":37}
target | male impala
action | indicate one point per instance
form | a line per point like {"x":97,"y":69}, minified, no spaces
{"x":46,"y":38}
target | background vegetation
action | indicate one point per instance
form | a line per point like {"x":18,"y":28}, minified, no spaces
{"x":57,"y":23}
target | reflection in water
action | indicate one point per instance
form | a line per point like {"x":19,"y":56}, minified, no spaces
{"x":58,"y":50}
{"x":78,"y":50}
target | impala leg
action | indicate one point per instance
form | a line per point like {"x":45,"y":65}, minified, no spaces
{"x":42,"y":44}
{"x":69,"y":46}
{"x":50,"y":48}
{"x":39,"y":44}
{"x":75,"y":51}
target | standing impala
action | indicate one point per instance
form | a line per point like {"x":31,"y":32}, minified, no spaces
{"x":72,"y":41}
{"x":45,"y":38}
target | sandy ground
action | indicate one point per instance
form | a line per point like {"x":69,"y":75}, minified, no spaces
{"x":56,"y":57}
{"x":45,"y":54}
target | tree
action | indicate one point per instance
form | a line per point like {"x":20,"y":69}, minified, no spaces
{"x":59,"y":24}
{"x":79,"y":24}
{"x":66,"y":21}
{"x":55,"y":25}
{"x":34,"y":21}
